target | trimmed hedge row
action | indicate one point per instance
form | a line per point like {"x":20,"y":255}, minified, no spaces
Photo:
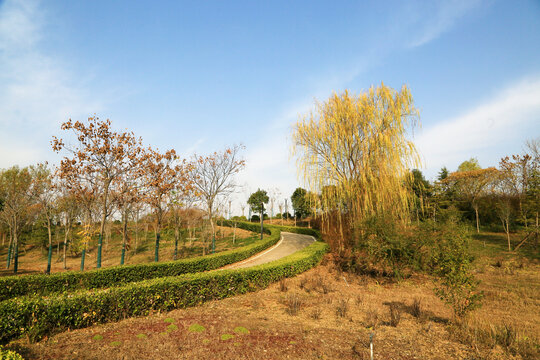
{"x":13,"y":286}
{"x":38,"y":316}
{"x":268,"y":227}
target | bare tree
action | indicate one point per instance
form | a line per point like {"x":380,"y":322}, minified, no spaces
{"x":181,"y":200}
{"x":126,"y":196}
{"x":46,"y":194}
{"x":213,"y":178}
{"x":69,"y":210}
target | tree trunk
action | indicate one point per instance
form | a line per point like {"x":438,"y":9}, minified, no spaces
{"x":158,"y":235}
{"x":124,"y":236}
{"x":65,"y":250}
{"x":176,"y":218}
{"x":234,"y":234}
{"x":83,"y":256}
{"x":10,"y":250}
{"x":15,"y":245}
{"x":262,"y":220}
{"x":16,"y":255}
{"x":477,"y":220}
{"x":136,"y":230}
{"x":66,"y":237}
{"x":103,"y":220}
{"x":57,"y":239}
{"x":49,"y":254}
{"x":213,"y":233}
{"x":506,"y":227}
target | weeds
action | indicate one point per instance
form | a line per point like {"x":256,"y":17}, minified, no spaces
{"x":316,"y":314}
{"x":505,"y":336}
{"x":395,"y":314}
{"x":372,"y":318}
{"x":321,"y":284}
{"x":293,"y":303}
{"x":342,"y":308}
{"x":416,"y":308}
{"x":256,"y":304}
{"x":283,"y":285}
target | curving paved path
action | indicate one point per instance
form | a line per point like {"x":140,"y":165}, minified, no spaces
{"x":287,"y":245}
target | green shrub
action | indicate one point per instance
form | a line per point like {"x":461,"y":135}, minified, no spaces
{"x":43,"y":315}
{"x":438,"y":248}
{"x":9,"y":355}
{"x":12,"y":286}
{"x":451,"y":261}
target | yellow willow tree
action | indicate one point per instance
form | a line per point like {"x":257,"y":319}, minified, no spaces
{"x":357,"y":146}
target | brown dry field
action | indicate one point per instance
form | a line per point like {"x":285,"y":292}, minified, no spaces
{"x":336,"y":315}
{"x":34,"y":260}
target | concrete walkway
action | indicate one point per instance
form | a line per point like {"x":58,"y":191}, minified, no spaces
{"x":287,"y":245}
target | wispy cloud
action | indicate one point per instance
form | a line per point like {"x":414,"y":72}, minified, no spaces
{"x":432,"y":19}
{"x":488,"y":131}
{"x":37,"y":89}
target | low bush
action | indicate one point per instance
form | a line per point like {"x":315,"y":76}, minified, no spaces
{"x":293,"y":303}
{"x":9,"y":355}
{"x":40,"y":315}
{"x":12,"y":286}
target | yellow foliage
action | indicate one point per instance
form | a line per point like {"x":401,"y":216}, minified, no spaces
{"x":357,"y":146}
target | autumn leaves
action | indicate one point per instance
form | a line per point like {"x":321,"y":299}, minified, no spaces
{"x":108,"y":170}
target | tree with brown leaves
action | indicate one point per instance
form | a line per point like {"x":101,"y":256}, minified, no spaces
{"x":162,"y":174}
{"x":99,"y":159}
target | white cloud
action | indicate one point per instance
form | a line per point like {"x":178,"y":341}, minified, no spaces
{"x":432,"y":19}
{"x":37,"y":91}
{"x":489,"y":131}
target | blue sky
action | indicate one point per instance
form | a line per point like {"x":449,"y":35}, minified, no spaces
{"x":198,"y":76}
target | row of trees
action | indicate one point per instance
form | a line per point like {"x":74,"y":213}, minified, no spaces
{"x":300,"y":201}
{"x":108,"y":172}
{"x":508,"y":193}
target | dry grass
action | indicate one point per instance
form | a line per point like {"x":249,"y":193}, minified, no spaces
{"x":315,"y":331}
{"x":506,"y":327}
{"x":33,"y":259}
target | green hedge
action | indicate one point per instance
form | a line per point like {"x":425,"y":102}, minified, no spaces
{"x":38,"y":316}
{"x":256,"y":227}
{"x":13,"y":286}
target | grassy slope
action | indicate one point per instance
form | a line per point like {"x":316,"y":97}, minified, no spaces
{"x":336,"y":314}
